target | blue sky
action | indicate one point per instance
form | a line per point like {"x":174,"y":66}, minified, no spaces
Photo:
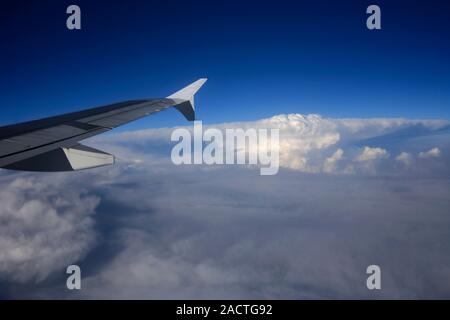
{"x":261,"y":57}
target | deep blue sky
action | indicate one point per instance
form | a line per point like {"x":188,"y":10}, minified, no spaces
{"x":261,"y":57}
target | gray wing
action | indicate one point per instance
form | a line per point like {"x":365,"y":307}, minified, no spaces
{"x":52,"y":144}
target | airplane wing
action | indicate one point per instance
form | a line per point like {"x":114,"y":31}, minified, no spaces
{"x":52,"y":144}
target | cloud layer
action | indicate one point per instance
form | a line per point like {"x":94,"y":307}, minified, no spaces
{"x":315,"y":144}
{"x":42,"y":227}
{"x":351,"y":192}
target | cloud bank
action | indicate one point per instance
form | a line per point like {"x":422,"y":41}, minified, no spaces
{"x":351,"y":192}
{"x":42,"y":227}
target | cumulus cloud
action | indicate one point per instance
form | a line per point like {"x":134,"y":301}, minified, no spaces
{"x":229,"y":235}
{"x":330,"y":163}
{"x":305,"y":140}
{"x":148,"y":229}
{"x":299,"y":136}
{"x":432,"y":153}
{"x":42,"y":228}
{"x":405,"y":158}
{"x":372,"y":154}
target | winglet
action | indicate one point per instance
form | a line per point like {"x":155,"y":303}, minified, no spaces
{"x":184,"y":99}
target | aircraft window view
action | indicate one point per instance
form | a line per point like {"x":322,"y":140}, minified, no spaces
{"x":225,"y":150}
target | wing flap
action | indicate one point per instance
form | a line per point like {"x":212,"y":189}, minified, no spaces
{"x":78,"y":157}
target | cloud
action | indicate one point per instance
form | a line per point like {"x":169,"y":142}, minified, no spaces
{"x":330,"y":163}
{"x":432,"y":153}
{"x":148,"y":229}
{"x":300,"y":135}
{"x":231,"y":234}
{"x":405,"y":158}
{"x":305,"y":140}
{"x":42,"y":228}
{"x":371,"y":154}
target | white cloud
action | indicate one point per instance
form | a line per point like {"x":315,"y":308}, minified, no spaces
{"x":371,"y":154}
{"x":229,"y":235}
{"x":304,"y":139}
{"x":405,"y":158}
{"x":301,"y":135}
{"x":330,"y":163}
{"x":432,"y":153}
{"x":198,"y":232}
{"x":42,"y":228}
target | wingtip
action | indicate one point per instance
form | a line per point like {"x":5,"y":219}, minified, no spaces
{"x":184,"y":98}
{"x":188,"y":92}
